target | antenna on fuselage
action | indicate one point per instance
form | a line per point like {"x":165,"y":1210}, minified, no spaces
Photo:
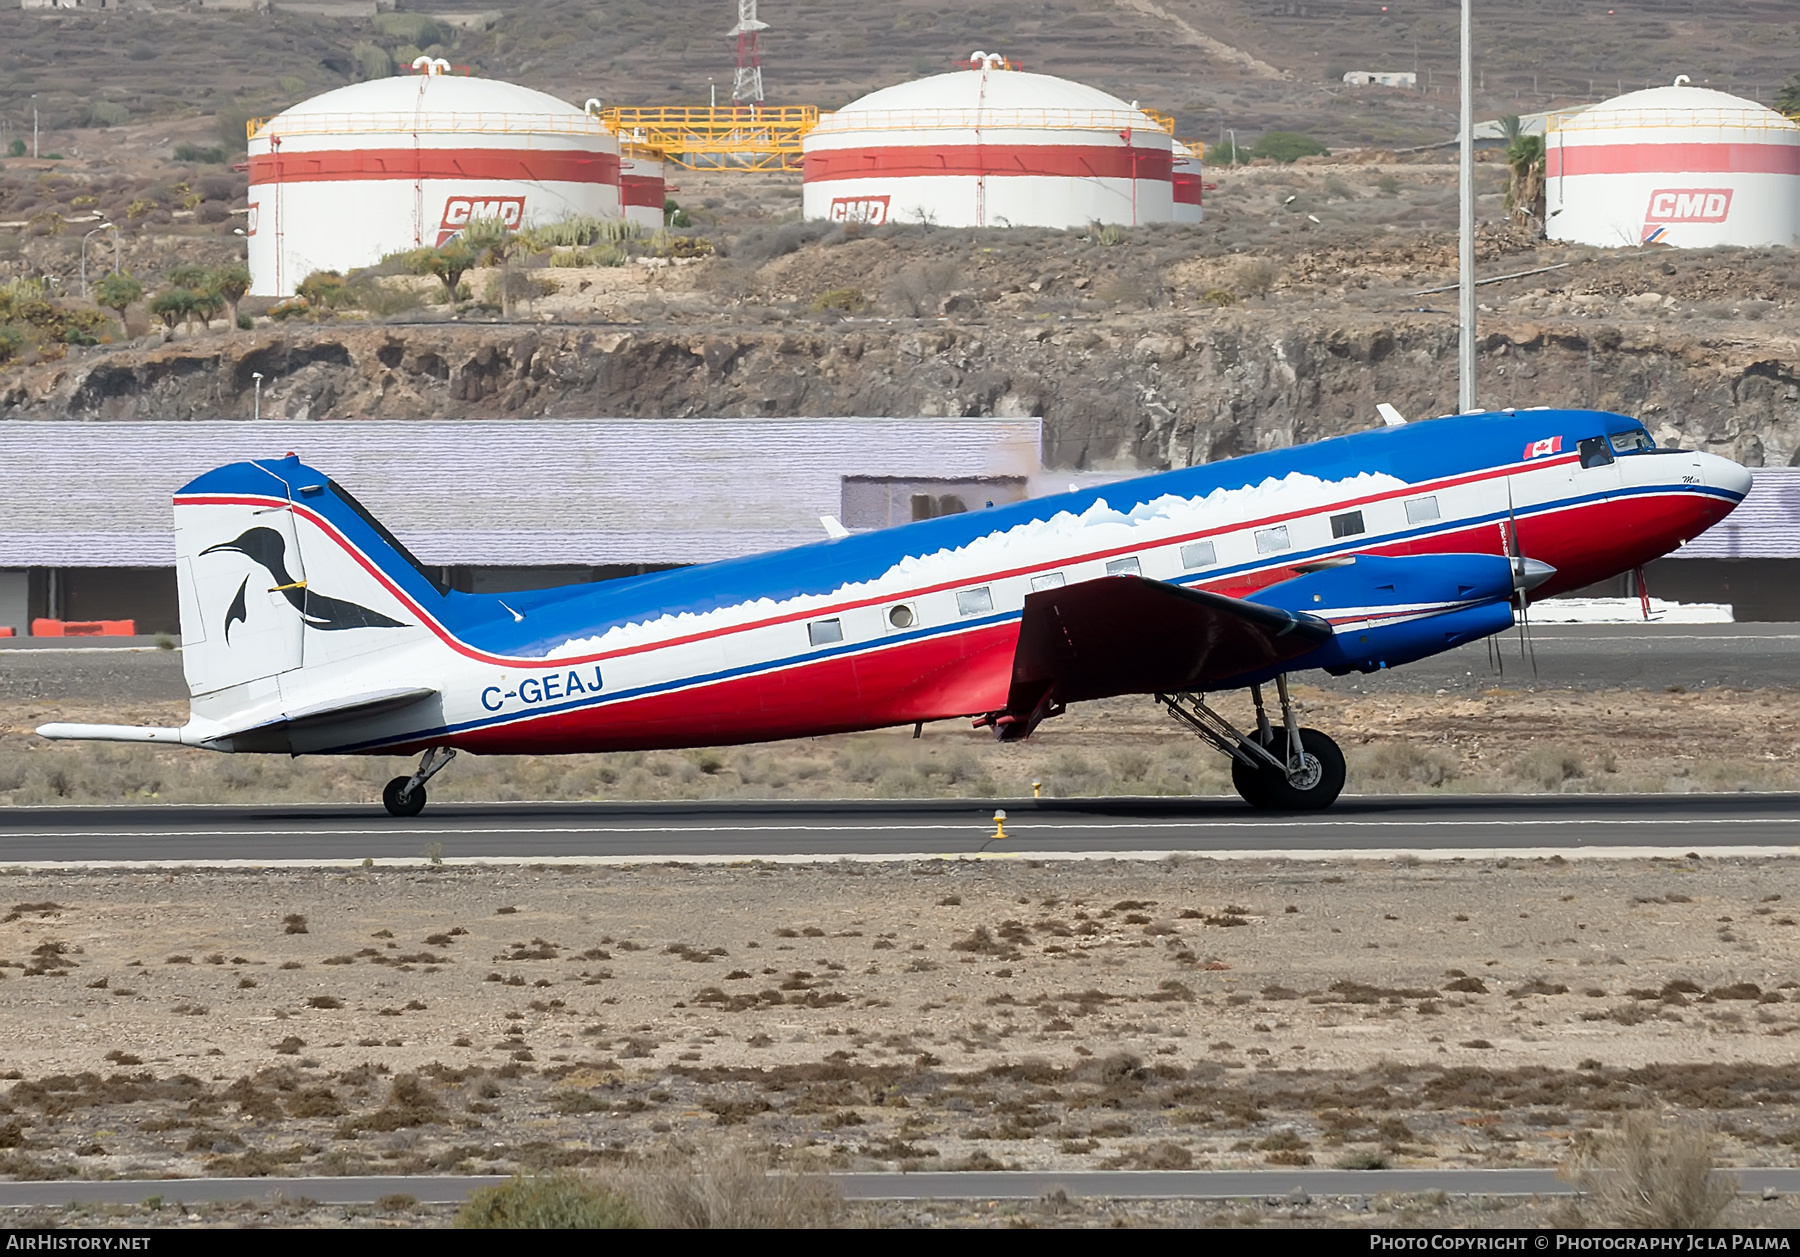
{"x":1465,"y":275}
{"x":1393,"y":418}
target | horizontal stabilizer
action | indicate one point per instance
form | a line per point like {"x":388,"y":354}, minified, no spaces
{"x":268,"y":735}
{"x":109,"y":733}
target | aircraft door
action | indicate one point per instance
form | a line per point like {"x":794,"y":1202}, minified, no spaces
{"x":242,"y":588}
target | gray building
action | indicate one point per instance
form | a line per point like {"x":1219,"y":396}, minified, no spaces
{"x":86,"y":532}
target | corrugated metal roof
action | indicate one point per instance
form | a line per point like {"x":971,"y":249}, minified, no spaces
{"x":494,"y":493}
{"x":1766,"y":524}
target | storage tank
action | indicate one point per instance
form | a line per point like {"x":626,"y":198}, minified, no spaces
{"x":1186,"y":183}
{"x":989,"y":147}
{"x":370,"y":169}
{"x":1680,"y":165}
{"x":641,"y":186}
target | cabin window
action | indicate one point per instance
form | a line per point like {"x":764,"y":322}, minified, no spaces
{"x":1422,"y":510}
{"x":1595,"y":452}
{"x":1198,"y":554}
{"x":1122,"y":567}
{"x":902,"y":616}
{"x":1636,"y":441}
{"x":1047,"y":580}
{"x":1349,"y":524}
{"x":1269,"y":540}
{"x":825,"y":632}
{"x":975,"y":601}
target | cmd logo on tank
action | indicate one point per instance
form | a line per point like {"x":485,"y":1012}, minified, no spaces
{"x":1683,"y":205}
{"x":460,"y":210}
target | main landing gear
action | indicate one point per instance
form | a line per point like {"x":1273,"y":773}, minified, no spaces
{"x":405,"y":796}
{"x":1286,"y":768}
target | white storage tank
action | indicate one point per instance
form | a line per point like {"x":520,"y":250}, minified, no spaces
{"x":1683,"y":166}
{"x":641,"y":186}
{"x":1187,"y":184}
{"x":370,"y":169}
{"x":989,"y":147}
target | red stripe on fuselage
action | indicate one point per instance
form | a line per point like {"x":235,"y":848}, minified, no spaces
{"x":931,"y":678}
{"x":960,"y":674}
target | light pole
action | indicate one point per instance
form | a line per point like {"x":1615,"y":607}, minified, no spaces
{"x":1465,"y":303}
{"x":115,"y":231}
{"x":102,"y":227}
{"x":34,"y":146}
{"x":1233,"y":134}
{"x":257,"y":376}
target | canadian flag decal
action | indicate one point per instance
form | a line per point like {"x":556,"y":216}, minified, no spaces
{"x":1540,"y":449}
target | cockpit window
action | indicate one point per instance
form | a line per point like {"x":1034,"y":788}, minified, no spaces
{"x":1636,"y":441}
{"x":1594,"y":452}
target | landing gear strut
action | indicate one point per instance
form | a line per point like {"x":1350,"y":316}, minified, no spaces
{"x":1286,"y":768}
{"x":405,"y":796}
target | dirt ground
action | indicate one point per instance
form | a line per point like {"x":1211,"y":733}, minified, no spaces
{"x":1497,"y":740}
{"x":1377,"y":1210}
{"x":997,"y":1014}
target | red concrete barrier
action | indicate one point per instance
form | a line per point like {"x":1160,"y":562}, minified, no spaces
{"x":84,"y":628}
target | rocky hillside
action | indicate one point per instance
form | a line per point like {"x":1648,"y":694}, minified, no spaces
{"x":1302,"y":302}
{"x":1151,"y":393}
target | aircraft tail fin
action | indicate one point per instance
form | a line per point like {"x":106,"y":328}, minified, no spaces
{"x":286,"y":584}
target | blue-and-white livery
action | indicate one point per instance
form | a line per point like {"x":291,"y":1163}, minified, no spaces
{"x":308,"y":629}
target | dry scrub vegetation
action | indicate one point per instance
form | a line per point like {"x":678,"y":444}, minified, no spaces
{"x":1496,"y":741}
{"x":953,"y":1015}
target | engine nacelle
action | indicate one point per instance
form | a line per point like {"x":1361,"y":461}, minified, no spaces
{"x":1386,"y":611}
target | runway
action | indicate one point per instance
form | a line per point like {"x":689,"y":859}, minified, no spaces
{"x":1370,"y":826}
{"x":928,"y":1185}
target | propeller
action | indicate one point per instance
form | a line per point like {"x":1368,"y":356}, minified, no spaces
{"x":1527,"y":575}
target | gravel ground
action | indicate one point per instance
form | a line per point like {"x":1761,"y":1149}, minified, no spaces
{"x":997,"y":1014}
{"x":1429,"y":1210}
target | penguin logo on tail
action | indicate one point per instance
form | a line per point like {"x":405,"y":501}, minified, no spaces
{"x":268,"y":549}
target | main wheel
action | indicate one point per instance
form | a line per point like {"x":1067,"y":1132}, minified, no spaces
{"x":409,"y":805}
{"x":1256,"y":783}
{"x":1316,"y":785}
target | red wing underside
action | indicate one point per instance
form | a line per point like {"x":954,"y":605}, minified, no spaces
{"x":1128,"y":635}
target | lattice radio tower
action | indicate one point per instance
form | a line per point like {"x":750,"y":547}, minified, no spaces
{"x":747,"y":87}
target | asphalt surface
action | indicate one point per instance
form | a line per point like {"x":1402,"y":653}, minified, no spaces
{"x":1601,"y":657}
{"x":943,"y":1185}
{"x":1583,"y":657}
{"x":737,"y":830}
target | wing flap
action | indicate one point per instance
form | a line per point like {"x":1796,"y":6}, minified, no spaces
{"x":1128,"y":635}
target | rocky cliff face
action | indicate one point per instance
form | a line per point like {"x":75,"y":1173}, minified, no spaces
{"x":1112,"y":393}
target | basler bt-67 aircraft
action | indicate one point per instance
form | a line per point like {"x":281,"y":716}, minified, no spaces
{"x":308,"y":629}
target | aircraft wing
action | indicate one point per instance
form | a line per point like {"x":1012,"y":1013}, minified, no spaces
{"x":1128,"y":635}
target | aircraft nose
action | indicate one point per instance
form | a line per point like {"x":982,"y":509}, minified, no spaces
{"x":1722,"y":473}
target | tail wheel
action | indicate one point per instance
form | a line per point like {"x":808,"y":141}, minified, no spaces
{"x":1316,"y":784}
{"x":400,"y":803}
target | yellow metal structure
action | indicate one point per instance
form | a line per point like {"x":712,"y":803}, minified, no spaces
{"x":728,"y":138}
{"x":724,"y":138}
